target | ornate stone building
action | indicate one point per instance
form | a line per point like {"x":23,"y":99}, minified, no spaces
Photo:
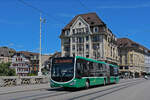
{"x":132,"y":56}
{"x":147,"y":61}
{"x":88,"y":36}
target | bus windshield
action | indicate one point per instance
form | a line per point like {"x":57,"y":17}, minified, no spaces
{"x":62,"y":70}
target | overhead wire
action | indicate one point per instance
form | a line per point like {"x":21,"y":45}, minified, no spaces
{"x":84,"y":6}
{"x":41,"y":11}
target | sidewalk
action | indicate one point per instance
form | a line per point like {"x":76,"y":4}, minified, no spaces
{"x":5,"y":90}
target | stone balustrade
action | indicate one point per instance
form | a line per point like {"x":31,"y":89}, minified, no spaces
{"x":22,"y":80}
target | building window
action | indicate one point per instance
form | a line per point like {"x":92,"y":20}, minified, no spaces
{"x":87,"y":47}
{"x":80,"y":40}
{"x":87,"y":56}
{"x":66,"y":41}
{"x":80,"y":48}
{"x":121,"y":67}
{"x":126,"y":59}
{"x":73,"y":40}
{"x":73,"y":30}
{"x":87,"y":38}
{"x":66,"y":48}
{"x":120,"y":59}
{"x":87,"y":29}
{"x":73,"y":54}
{"x":95,"y":29}
{"x":126,"y":67}
{"x":131,"y":57}
{"x":67,"y":32}
{"x":111,"y":52}
{"x":96,"y":38}
{"x":80,"y":30}
{"x":96,"y":46}
{"x":73,"y":47}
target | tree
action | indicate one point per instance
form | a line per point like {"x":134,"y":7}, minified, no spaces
{"x":5,"y":70}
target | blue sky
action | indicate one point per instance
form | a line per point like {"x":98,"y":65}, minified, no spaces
{"x":19,"y":23}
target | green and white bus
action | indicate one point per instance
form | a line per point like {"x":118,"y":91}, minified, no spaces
{"x":78,"y":72}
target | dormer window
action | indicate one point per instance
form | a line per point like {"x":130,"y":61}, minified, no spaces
{"x":67,"y":32}
{"x":79,"y":23}
{"x":95,"y":29}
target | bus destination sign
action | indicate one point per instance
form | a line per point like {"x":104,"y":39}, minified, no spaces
{"x":63,"y":61}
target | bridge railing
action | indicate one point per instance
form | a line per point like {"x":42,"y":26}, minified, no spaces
{"x":22,"y":80}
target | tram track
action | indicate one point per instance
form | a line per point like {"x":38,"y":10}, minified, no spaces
{"x":46,"y":95}
{"x":125,"y":85}
{"x":43,"y":89}
{"x":108,"y":90}
{"x":55,"y":92}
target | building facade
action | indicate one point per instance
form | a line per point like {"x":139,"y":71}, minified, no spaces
{"x":132,"y":58}
{"x":147,"y":61}
{"x":34,"y":60}
{"x":21,"y":64}
{"x":6,"y":54}
{"x":88,"y":36}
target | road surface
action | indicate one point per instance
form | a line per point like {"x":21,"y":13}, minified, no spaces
{"x":135,"y":89}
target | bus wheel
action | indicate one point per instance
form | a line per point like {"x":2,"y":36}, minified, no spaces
{"x":87,"y":85}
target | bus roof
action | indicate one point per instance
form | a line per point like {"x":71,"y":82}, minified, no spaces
{"x":88,"y":59}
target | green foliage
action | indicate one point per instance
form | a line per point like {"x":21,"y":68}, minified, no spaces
{"x":5,"y":70}
{"x":32,"y":74}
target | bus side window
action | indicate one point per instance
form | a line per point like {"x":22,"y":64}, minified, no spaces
{"x":91,"y":69}
{"x":104,"y":69}
{"x":91,"y":65}
{"x":96,"y":70}
{"x":78,"y":68}
{"x":100,"y":69}
{"x":116,"y":71}
{"x":85,"y":70}
{"x":111,"y":71}
{"x":82,"y":68}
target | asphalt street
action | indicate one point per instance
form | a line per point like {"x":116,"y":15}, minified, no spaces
{"x":133,"y":89}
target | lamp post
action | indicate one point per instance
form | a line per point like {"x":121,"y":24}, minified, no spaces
{"x":40,"y":50}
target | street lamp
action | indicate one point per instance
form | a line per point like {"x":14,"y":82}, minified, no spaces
{"x":40,"y":51}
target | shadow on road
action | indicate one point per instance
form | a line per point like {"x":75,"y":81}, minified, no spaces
{"x":74,"y":89}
